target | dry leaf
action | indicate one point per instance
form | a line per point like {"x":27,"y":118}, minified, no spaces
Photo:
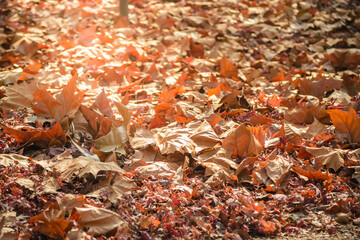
{"x":347,"y":123}
{"x":241,"y":142}
{"x":328,"y":157}
{"x":99,"y":220}
{"x":49,"y":137}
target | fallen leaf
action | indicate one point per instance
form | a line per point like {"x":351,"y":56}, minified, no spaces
{"x":40,"y":137}
{"x":347,"y":123}
{"x":19,"y":95}
{"x":99,"y":220}
{"x":241,"y":142}
{"x":227,"y":69}
{"x":66,"y":103}
{"x":331,"y":158}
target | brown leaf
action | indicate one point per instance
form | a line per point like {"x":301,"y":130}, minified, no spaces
{"x":277,"y":169}
{"x":69,"y":167}
{"x":316,"y":87}
{"x":102,"y":103}
{"x":19,"y":95}
{"x":343,"y":57}
{"x":99,"y":125}
{"x":331,"y":158}
{"x":241,"y":142}
{"x":99,"y":220}
{"x":204,"y":137}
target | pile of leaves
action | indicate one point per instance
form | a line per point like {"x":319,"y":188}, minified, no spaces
{"x":189,"y":119}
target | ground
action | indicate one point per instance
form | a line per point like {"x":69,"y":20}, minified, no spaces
{"x":185,"y":120}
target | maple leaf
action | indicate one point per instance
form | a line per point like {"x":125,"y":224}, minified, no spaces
{"x":66,"y":103}
{"x":310,"y":174}
{"x":241,"y":142}
{"x":328,"y":157}
{"x":42,"y":137}
{"x":227,"y":69}
{"x":274,"y":101}
{"x":347,"y":123}
{"x":69,"y":167}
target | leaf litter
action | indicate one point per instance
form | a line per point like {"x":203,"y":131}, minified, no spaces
{"x":190,"y":120}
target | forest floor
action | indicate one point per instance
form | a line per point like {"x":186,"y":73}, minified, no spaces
{"x":190,"y":119}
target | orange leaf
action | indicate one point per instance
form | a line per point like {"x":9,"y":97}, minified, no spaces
{"x":182,"y":119}
{"x":51,"y":223}
{"x":158,"y":121}
{"x":52,"y":136}
{"x":196,"y":49}
{"x":259,"y":134}
{"x":162,"y":107}
{"x":182,"y":79}
{"x":274,"y":101}
{"x":213,"y":119}
{"x":347,"y":123}
{"x":280,"y":77}
{"x":66,"y":103}
{"x":170,"y":95}
{"x":268,"y":227}
{"x":311,"y":174}
{"x":227,"y":69}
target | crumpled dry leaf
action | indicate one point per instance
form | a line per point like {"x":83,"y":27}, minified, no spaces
{"x":142,"y":138}
{"x":204,"y":137}
{"x":113,"y":141}
{"x":158,"y":169}
{"x":116,"y":190}
{"x":99,"y":220}
{"x":331,"y":158}
{"x":7,"y":218}
{"x":172,"y":140}
{"x":68,"y":167}
{"x":8,"y":160}
{"x":99,"y":125}
{"x":278,"y":169}
{"x":241,"y":142}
